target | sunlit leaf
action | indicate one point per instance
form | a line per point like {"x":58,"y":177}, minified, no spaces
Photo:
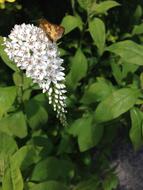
{"x":14,"y":124}
{"x":130,"y":51}
{"x":97,"y":31}
{"x":97,"y":91}
{"x":116,"y":104}
{"x":103,"y":7}
{"x":13,"y":178}
{"x":78,"y":69}
{"x":70,"y":22}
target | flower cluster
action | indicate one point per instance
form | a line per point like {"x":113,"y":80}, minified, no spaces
{"x":32,"y":51}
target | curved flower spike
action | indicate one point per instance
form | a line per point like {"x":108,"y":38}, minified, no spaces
{"x":31,"y":50}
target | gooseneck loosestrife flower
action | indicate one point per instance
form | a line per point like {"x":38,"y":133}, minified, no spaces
{"x":32,"y":51}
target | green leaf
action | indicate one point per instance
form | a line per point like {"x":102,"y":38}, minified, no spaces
{"x":4,"y":56}
{"x":90,"y":184}
{"x":45,"y":169}
{"x":14,"y":124}
{"x":85,"y":4}
{"x":70,"y":22}
{"x":116,"y":104}
{"x":103,"y":7}
{"x":78,"y":69}
{"x":65,"y":145}
{"x":12,"y":179}
{"x":36,"y":114}
{"x":87,"y":133}
{"x":128,"y":68}
{"x":7,"y":145}
{"x":49,"y":185}
{"x":97,"y":91}
{"x":20,"y":79}
{"x":121,"y":69}
{"x":138,"y":14}
{"x":110,"y":182}
{"x":97,"y":31}
{"x":136,"y":128}
{"x":116,"y":71}
{"x":24,"y":157}
{"x":7,"y":98}
{"x":129,"y":51}
{"x":138,"y":29}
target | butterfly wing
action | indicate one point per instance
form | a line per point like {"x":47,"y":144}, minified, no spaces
{"x":53,"y":31}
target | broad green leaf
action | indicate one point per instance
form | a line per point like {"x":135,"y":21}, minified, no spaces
{"x":78,"y":69}
{"x":129,"y":51}
{"x":36,"y":114}
{"x":12,"y":179}
{"x":116,"y":104}
{"x":110,"y":182}
{"x":49,"y":185}
{"x":4,"y":56}
{"x":45,"y":169}
{"x":70,"y":22}
{"x":85,"y":4}
{"x":24,"y":157}
{"x":7,"y":145}
{"x":7,"y":97}
{"x":90,"y":184}
{"x":87,"y":133}
{"x":103,"y":7}
{"x":136,"y":128}
{"x":138,"y":29}
{"x":97,"y":91}
{"x":14,"y":124}
{"x":138,"y":13}
{"x":97,"y":31}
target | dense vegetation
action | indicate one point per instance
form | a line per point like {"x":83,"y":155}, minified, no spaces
{"x":103,"y":57}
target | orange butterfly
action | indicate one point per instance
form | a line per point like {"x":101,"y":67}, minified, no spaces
{"x":53,"y":31}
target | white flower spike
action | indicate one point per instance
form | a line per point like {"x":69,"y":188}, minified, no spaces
{"x":32,"y":51}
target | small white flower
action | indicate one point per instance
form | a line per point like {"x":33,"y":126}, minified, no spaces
{"x":31,"y":50}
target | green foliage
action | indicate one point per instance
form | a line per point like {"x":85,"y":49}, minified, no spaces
{"x":78,"y":69}
{"x":49,"y":185}
{"x":97,"y":31}
{"x":136,"y":128}
{"x":70,"y":22}
{"x":129,"y":51}
{"x":7,"y":97}
{"x":103,"y":57}
{"x":116,"y":104}
{"x":88,"y":134}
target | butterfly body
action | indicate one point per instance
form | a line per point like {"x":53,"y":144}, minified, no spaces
{"x":54,"y":32}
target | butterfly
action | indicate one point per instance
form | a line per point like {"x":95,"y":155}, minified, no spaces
{"x":53,"y":31}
